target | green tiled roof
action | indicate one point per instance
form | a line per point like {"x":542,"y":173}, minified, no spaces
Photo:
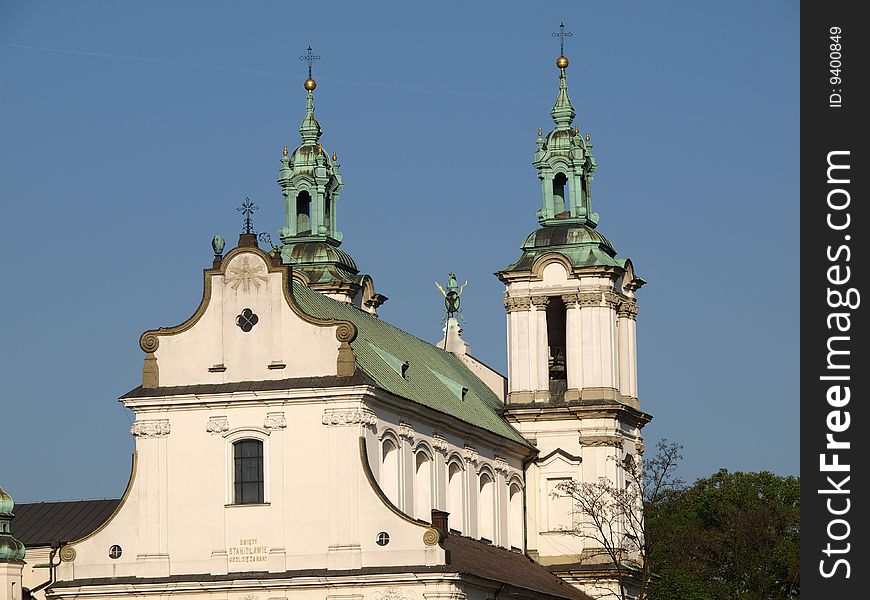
{"x":432,"y":373}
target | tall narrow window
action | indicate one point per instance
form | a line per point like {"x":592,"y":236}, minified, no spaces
{"x":423,"y":487}
{"x":303,"y":212}
{"x":561,"y":199}
{"x":390,"y":471}
{"x":248,"y":472}
{"x":515,"y":508}
{"x":486,"y":516}
{"x":454,"y":496}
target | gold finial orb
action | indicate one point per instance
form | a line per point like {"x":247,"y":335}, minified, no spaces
{"x":587,"y":136}
{"x":334,"y":156}
{"x":562,"y":62}
{"x":285,"y":150}
{"x":310,"y":84}
{"x":540,"y":131}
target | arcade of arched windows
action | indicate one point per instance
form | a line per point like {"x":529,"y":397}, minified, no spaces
{"x":483,"y":501}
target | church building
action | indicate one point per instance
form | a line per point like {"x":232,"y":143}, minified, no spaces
{"x":292,"y":445}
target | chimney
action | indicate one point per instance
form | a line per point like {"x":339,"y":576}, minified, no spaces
{"x":439,"y":521}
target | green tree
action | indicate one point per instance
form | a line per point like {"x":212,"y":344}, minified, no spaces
{"x":730,"y":535}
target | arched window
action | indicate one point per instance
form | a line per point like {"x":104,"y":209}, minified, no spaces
{"x":454,"y":496}
{"x":248,"y":472}
{"x":303,"y":212}
{"x":485,"y":513}
{"x":423,"y":486}
{"x":390,"y":470}
{"x":515,"y":509}
{"x":561,"y":199}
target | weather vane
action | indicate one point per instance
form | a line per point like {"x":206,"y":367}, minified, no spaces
{"x":247,"y":208}
{"x":561,"y":34}
{"x":311,"y":58}
{"x":452,"y":297}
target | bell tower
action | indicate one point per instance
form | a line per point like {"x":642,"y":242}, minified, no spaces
{"x":572,"y":352}
{"x":311,"y":183}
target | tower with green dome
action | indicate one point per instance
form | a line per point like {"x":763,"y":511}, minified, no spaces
{"x":311,"y":185}
{"x":572,"y":350}
{"x":11,"y":552}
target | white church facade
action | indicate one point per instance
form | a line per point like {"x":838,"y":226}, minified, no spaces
{"x":292,"y":445}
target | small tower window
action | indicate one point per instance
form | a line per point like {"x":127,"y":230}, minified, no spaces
{"x":303,"y":212}
{"x":561,"y":199}
{"x":248,"y":472}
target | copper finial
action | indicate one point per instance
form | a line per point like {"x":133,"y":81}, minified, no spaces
{"x":334,"y":156}
{"x":587,"y":136}
{"x":562,"y":61}
{"x":576,"y":130}
{"x":540,"y":131}
{"x":285,"y":149}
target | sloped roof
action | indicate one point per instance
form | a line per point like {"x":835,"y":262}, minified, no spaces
{"x":38,"y":523}
{"x":433,"y":378}
{"x":512,"y":568}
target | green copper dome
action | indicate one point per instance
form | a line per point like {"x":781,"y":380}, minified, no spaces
{"x":322,"y":262}
{"x":580,"y":244}
{"x":11,"y":550}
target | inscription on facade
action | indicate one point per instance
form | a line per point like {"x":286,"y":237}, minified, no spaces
{"x":249,"y":550}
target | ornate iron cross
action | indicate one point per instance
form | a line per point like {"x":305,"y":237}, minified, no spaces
{"x":562,"y":34}
{"x":247,"y":208}
{"x":311,"y":58}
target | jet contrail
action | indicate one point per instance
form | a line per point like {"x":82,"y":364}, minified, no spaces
{"x":162,"y":61}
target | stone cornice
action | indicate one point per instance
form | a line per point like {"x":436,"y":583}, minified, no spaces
{"x":151,"y":428}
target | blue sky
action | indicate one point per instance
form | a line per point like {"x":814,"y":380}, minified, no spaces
{"x":130,"y":132}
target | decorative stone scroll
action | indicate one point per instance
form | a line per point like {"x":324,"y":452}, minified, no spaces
{"x":501,"y":466}
{"x":406,"y":432}
{"x":393,"y":593}
{"x":601,"y":440}
{"x":512,"y":303}
{"x":628,"y":310}
{"x":439,"y":443}
{"x":470,"y":454}
{"x":275,"y":420}
{"x":217,"y":424}
{"x":337,"y":417}
{"x":151,"y":428}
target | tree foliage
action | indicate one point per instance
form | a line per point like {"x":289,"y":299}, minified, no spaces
{"x":730,"y":535}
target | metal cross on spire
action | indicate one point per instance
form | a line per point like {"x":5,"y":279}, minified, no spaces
{"x":561,"y":34}
{"x":311,"y":58}
{"x":247,"y":208}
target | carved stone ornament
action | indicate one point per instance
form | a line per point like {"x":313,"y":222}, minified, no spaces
{"x":275,"y":420}
{"x":393,"y":593}
{"x":639,"y":447}
{"x":590,"y":298}
{"x":612,"y":300}
{"x":628,"y":310}
{"x":540,"y":302}
{"x":339,"y":417}
{"x":217,"y":425}
{"x":431,"y":537}
{"x":439,"y":443}
{"x":67,"y":554}
{"x":153,"y":428}
{"x":570,"y":300}
{"x":501,"y":466}
{"x":470,"y":454}
{"x":246,"y":273}
{"x":601,"y":440}
{"x":513,"y":304}
{"x":406,"y":432}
